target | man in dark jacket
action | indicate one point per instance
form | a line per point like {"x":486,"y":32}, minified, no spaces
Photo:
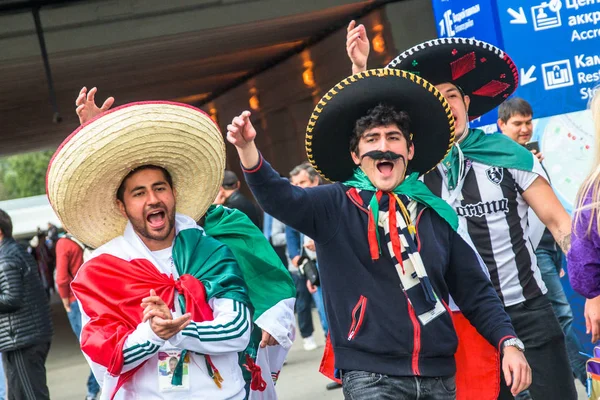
{"x":231,"y":197}
{"x":389,"y":249}
{"x":25,"y":324}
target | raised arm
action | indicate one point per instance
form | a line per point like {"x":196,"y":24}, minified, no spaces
{"x":241,"y":134}
{"x":313,"y":211}
{"x":357,"y":46}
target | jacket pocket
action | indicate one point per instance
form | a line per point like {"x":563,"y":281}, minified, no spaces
{"x":358,"y":316}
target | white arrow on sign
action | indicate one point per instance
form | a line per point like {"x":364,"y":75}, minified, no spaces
{"x":519,"y":17}
{"x":527,"y":77}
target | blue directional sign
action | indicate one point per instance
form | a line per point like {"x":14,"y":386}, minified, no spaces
{"x":556,"y":46}
{"x":467,"y":18}
{"x":471,"y":19}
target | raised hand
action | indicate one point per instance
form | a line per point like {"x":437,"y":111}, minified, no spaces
{"x":357,"y":46}
{"x":86,"y":105}
{"x":241,"y":134}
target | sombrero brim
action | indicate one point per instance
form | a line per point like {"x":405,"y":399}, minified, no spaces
{"x":484,"y":72}
{"x":332,"y":122}
{"x":88,"y":167}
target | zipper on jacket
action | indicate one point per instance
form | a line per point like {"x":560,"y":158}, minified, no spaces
{"x":416,"y":337}
{"x":358,"y":316}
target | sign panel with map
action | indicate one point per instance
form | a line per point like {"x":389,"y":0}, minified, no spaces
{"x":567,"y":142}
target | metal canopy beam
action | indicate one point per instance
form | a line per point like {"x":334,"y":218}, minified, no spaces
{"x":17,"y":6}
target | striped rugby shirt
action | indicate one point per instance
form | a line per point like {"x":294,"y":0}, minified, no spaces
{"x":492,"y":210}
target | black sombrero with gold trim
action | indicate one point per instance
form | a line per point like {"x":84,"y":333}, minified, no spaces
{"x":484,"y":72}
{"x":331,"y":124}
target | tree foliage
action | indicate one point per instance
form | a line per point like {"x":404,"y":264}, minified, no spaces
{"x":24,"y":175}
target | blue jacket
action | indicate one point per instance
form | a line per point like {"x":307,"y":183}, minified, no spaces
{"x":373,"y":327}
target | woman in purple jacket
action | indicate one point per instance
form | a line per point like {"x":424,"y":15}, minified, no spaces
{"x":584,"y":255}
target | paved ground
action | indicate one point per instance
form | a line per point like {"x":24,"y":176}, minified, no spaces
{"x":67,"y":370}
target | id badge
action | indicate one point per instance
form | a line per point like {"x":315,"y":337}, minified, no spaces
{"x":167,"y":363}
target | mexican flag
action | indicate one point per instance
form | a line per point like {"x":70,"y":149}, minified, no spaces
{"x":229,"y":258}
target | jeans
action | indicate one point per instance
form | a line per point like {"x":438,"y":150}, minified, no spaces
{"x":75,"y":320}
{"x":361,"y":385}
{"x":545,"y":350}
{"x":304,"y":306}
{"x":318,"y":299}
{"x":548,"y":262}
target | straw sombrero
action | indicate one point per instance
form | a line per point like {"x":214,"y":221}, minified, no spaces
{"x":484,"y":72}
{"x":332,"y":122}
{"x":88,"y":167}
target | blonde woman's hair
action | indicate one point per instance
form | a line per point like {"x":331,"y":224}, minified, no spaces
{"x":591,"y":184}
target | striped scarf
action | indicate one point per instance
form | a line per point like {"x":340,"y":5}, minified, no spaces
{"x":387,"y":211}
{"x":399,"y":230}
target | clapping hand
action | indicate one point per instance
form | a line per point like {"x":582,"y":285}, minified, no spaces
{"x":161,"y":319}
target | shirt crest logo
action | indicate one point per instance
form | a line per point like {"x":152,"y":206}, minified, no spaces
{"x":495,"y":174}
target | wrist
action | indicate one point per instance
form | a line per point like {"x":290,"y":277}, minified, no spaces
{"x":512,"y":344}
{"x":510,"y":349}
{"x":357,"y":68}
{"x":149,"y":334}
{"x":249,"y":156}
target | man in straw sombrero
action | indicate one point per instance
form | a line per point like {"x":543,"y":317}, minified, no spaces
{"x":491,"y":182}
{"x":388,"y":247}
{"x":132,"y":183}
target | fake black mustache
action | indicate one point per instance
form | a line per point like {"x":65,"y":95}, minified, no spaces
{"x":382,"y":155}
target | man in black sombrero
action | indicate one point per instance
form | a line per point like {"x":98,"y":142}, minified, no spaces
{"x":388,"y":246}
{"x":491,"y":182}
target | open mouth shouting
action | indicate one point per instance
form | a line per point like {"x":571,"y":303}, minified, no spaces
{"x":385,"y":161}
{"x":385,"y":167}
{"x":157,"y":219}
